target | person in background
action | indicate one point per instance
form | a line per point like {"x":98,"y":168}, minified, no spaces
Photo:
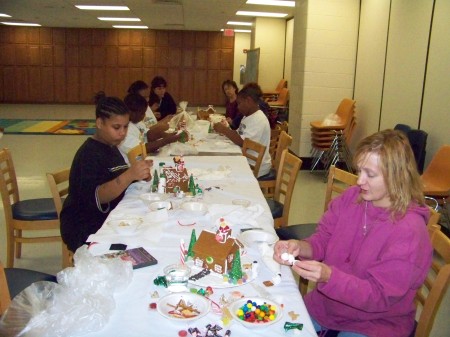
{"x":141,"y":88}
{"x":232,"y":114}
{"x":161,"y":101}
{"x":371,"y":250}
{"x":154,"y":138}
{"x":254,"y":124}
{"x":99,"y":175}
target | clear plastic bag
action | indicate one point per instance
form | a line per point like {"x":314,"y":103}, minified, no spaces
{"x":81,"y":302}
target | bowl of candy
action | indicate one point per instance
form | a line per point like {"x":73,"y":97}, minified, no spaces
{"x":256,"y":312}
{"x":149,"y":198}
{"x":158,"y":205}
{"x":126,"y":226}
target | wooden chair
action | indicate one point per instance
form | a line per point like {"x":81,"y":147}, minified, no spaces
{"x":267,"y":183}
{"x":282,"y":100}
{"x":23,"y":215}
{"x":255,"y":152}
{"x":434,"y":288}
{"x":286,"y":176}
{"x":274,"y":136}
{"x":59,"y":188}
{"x":272,"y":95}
{"x":139,"y":152}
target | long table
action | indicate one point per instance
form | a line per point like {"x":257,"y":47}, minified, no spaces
{"x":223,"y":179}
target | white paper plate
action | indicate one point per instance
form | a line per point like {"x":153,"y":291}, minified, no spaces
{"x":252,"y":237}
{"x":234,"y":307}
{"x":166,"y":306}
{"x":126,"y":226}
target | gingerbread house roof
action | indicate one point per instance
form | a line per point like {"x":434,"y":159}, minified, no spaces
{"x":207,"y":245}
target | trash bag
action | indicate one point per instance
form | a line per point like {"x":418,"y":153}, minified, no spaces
{"x":81,"y":302}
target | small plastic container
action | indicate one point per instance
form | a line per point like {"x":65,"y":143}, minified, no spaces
{"x":177,"y":276}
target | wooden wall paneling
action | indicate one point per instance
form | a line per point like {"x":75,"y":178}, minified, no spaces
{"x":174,"y":57}
{"x":35,"y":85}
{"x":7,"y":54}
{"x":147,"y":75}
{"x":148,"y":57}
{"x":59,"y":36}
{"x":72,"y":85}
{"x":135,"y":75}
{"x":213,"y":58}
{"x":162,"y":38}
{"x":175,"y":38}
{"x":86,"y":55}
{"x":59,"y":55}
{"x":21,"y":54}
{"x":9,"y":81}
{"x":214,"y":87}
{"x":111,"y":76}
{"x":214,"y":40}
{"x":188,"y":39}
{"x":123,"y":82}
{"x":227,"y":42}
{"x":46,"y":52}
{"x":98,"y":56}
{"x":124,"y":56}
{"x":160,"y":72}
{"x":34,"y":57}
{"x":149,"y":38}
{"x":7,"y":34}
{"x":201,"y":87}
{"x":124,"y":37}
{"x":85,"y":37}
{"x":20,"y":35}
{"x":111,"y":37}
{"x":188,"y":57}
{"x":98,"y":81}
{"x":225,"y":75}
{"x":187,"y":88}
{"x":47,"y":90}
{"x":33,"y":35}
{"x":99,"y":37}
{"x":45,"y":35}
{"x":135,"y":57}
{"x":86,"y":89}
{"x":136,"y":38}
{"x":72,"y":37}
{"x":20,"y":83}
{"x":2,"y":88}
{"x":72,"y":56}
{"x":59,"y":80}
{"x":111,"y":56}
{"x":226,"y":59}
{"x":173,"y":78}
{"x":201,"y":58}
{"x":162,"y":57}
{"x":201,"y":39}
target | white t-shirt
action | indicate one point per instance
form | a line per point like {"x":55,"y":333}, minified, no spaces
{"x":257,"y":128}
{"x":136,"y":134}
{"x":149,"y":119}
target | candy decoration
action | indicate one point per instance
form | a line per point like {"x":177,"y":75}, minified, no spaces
{"x":236,"y":269}
{"x":183,"y":252}
{"x":290,"y":326}
{"x":254,"y":313}
{"x":192,"y":242}
{"x":182,"y":333}
{"x":293,"y":315}
{"x":160,"y":281}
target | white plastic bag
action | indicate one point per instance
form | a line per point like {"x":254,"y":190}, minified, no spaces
{"x":81,"y":302}
{"x":331,"y":119}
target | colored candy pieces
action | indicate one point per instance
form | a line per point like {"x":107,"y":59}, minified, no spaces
{"x":257,"y":313}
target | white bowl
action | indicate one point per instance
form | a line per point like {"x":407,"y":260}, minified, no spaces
{"x":125,"y":226}
{"x":149,"y":198}
{"x":252,"y":237}
{"x":194,"y":207}
{"x":235,"y":306}
{"x":166,"y":306}
{"x":158,"y":205}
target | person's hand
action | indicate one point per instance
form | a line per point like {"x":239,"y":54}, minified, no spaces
{"x":141,"y":170}
{"x":291,"y":247}
{"x":312,"y":270}
{"x":229,"y":120}
{"x":166,"y":119}
{"x":219,"y":127}
{"x":154,"y":107}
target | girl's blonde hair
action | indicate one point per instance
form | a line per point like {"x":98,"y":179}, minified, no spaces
{"x":398,"y":166}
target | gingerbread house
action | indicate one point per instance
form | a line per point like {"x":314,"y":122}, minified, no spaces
{"x":176,"y":178}
{"x":211,"y":254}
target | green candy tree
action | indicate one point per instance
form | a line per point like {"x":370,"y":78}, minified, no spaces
{"x":236,"y":269}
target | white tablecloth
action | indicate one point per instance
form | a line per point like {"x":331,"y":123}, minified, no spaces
{"x":132,"y":316}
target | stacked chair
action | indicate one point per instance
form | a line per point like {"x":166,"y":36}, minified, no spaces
{"x":273,"y":95}
{"x":330,"y":142}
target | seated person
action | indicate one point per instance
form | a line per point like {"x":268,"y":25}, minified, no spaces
{"x":232,"y":113}
{"x":254,"y":124}
{"x":371,"y":250}
{"x":141,"y":88}
{"x":154,"y":138}
{"x":161,"y":101}
{"x":99,"y":175}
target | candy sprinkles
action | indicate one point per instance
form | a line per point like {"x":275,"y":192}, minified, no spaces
{"x":254,"y":313}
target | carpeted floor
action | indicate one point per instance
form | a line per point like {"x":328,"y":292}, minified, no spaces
{"x":48,"y":127}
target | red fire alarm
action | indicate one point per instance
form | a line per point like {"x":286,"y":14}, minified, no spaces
{"x":228,"y":32}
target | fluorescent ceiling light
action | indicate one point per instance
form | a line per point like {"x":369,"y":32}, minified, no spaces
{"x":266,"y":14}
{"x":242,"y":31}
{"x":132,"y":27}
{"x":103,"y":8}
{"x":5,"y":15}
{"x":118,"y":19}
{"x":271,"y":3}
{"x":21,"y":24}
{"x":239,"y":23}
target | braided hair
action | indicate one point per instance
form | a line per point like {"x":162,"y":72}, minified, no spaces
{"x":106,"y":106}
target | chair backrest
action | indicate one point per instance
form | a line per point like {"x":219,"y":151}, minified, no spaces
{"x":286,"y":175}
{"x":284,"y":141}
{"x":338,"y":181}
{"x":430,"y":295}
{"x":5,"y":298}
{"x":418,"y":141}
{"x":8,"y":183}
{"x":139,"y":152}
{"x":274,"y":136}
{"x":255,"y":152}
{"x":402,"y":127}
{"x":283,"y":98}
{"x":59,"y":186}
{"x":346,"y":110}
{"x":282,"y":84}
{"x":436,"y":177}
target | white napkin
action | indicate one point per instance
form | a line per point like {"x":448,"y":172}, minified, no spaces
{"x":178,"y":148}
{"x":220,"y":173}
{"x":236,"y":213}
{"x":266,"y":252}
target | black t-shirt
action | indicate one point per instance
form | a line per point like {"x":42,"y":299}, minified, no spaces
{"x":94,"y":164}
{"x":167,"y":105}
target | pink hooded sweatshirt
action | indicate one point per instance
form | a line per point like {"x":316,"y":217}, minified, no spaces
{"x":374,"y":276}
